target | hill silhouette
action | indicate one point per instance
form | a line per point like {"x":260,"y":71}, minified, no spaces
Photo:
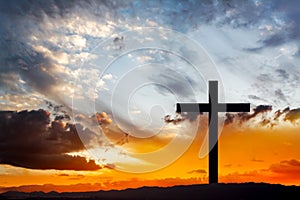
{"x":212,"y":191}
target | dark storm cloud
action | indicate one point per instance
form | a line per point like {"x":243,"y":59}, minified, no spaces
{"x":28,"y":139}
{"x":58,"y":162}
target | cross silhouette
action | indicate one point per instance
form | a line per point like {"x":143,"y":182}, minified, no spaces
{"x":213,"y":107}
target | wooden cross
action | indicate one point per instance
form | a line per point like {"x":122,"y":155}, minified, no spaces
{"x":213,"y":108}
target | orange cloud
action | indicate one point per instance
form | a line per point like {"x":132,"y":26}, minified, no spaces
{"x":284,"y":172}
{"x":102,"y":118}
{"x":288,"y":167}
{"x":198,"y":171}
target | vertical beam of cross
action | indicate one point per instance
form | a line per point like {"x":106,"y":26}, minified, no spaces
{"x":213,"y":107}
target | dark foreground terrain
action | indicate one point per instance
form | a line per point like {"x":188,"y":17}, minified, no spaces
{"x":214,"y":191}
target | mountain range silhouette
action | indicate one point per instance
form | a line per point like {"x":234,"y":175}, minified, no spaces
{"x":205,"y":191}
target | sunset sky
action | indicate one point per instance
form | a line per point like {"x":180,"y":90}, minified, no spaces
{"x":88,"y":92}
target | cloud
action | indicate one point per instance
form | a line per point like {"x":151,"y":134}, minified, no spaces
{"x":228,"y":165}
{"x":261,"y":109}
{"x":282,"y":73}
{"x":278,"y":23}
{"x":171,"y":81}
{"x":98,"y":119}
{"x":175,"y":120}
{"x":20,"y":59}
{"x":48,"y":37}
{"x":271,"y":120}
{"x":29,"y":140}
{"x":275,"y":118}
{"x":190,"y":116}
{"x":63,"y":174}
{"x":291,"y":167}
{"x":102,"y":118}
{"x":257,"y":160}
{"x":243,"y":117}
{"x":254,"y":97}
{"x":58,"y":162}
{"x":229,"y":118}
{"x":45,"y":40}
{"x":20,"y":101}
{"x":279,"y":113}
{"x":58,"y":112}
{"x":284,"y":172}
{"x":107,"y":76}
{"x":292,"y":115}
{"x":279,"y":94}
{"x":197,"y":171}
{"x":37,"y":72}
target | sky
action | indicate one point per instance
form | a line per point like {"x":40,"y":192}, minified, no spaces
{"x":88,"y":92}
